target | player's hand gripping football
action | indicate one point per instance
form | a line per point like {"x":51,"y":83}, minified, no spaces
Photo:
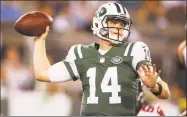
{"x":149,"y":77}
{"x":43,"y":36}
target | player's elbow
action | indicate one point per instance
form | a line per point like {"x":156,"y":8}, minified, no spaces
{"x":165,"y":95}
{"x":168,"y":94}
{"x":42,"y":76}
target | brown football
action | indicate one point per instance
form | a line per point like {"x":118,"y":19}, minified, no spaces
{"x":33,"y":23}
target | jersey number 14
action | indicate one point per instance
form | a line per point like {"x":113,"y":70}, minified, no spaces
{"x":114,"y":88}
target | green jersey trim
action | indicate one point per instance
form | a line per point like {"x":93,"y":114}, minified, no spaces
{"x":130,"y":49}
{"x":78,"y":52}
{"x":70,"y":70}
{"x":79,"y":47}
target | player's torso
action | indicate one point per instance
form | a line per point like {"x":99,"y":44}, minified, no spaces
{"x":109,"y":82}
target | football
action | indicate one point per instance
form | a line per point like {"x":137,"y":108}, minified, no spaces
{"x":33,"y":23}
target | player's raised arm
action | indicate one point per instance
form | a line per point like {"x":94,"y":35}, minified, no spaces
{"x":40,"y":60}
{"x":59,"y":72}
{"x":147,"y":73}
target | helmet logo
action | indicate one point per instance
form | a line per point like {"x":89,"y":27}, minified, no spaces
{"x":102,"y":12}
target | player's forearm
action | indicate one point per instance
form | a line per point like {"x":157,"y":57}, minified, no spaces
{"x":183,"y":113}
{"x":180,"y":51}
{"x":41,"y":62}
{"x":165,"y":94}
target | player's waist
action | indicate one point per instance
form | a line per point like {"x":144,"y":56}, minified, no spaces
{"x":105,"y":114}
{"x":109,"y":110}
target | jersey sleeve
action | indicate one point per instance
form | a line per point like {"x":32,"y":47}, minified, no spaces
{"x":141,"y":55}
{"x":65,"y":70}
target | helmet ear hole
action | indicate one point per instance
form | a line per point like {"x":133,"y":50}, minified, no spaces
{"x":96,"y":24}
{"x":129,"y":33}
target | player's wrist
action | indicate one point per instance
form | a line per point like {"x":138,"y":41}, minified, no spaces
{"x":157,"y":90}
{"x":40,"y":41}
{"x":154,"y":88}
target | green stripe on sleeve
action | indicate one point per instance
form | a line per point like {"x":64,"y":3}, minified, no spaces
{"x":70,"y":71}
{"x":76,"y":52}
{"x":130,"y":49}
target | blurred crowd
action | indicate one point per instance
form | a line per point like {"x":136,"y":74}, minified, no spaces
{"x":160,"y":24}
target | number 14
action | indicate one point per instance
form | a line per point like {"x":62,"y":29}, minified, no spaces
{"x":114,"y":88}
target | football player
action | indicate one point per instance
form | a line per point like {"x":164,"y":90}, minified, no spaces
{"x":110,"y":71}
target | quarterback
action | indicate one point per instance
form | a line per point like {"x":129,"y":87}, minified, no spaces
{"x":110,"y":70}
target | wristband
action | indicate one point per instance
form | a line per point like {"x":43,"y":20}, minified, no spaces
{"x":159,"y":90}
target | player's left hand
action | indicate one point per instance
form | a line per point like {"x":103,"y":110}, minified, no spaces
{"x":149,"y":77}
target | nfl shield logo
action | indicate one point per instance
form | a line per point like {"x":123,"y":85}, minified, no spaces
{"x":102,"y":60}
